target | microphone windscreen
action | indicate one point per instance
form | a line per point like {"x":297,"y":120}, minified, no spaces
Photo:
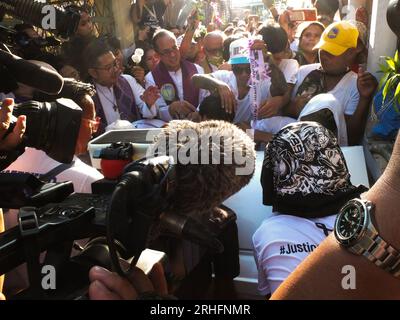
{"x":213,"y":160}
{"x":38,"y":77}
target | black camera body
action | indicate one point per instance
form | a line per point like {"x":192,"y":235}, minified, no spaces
{"x":116,"y":151}
{"x":120,"y":217}
{"x":47,"y":125}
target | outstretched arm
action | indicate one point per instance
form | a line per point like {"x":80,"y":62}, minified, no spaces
{"x":137,"y":11}
{"x":193,"y":23}
{"x":356,"y":123}
{"x":215,"y":86}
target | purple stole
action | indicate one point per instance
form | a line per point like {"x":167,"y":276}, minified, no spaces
{"x":163,"y":79}
{"x":125,"y":102}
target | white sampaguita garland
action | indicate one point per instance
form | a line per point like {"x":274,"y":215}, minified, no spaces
{"x":259,"y":72}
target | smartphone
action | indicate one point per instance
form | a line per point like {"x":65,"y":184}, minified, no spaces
{"x":303,"y":15}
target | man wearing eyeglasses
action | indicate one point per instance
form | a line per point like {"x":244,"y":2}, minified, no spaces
{"x":118,"y":97}
{"x":179,"y":98}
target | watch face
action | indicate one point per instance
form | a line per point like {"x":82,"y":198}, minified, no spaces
{"x":350,"y":223}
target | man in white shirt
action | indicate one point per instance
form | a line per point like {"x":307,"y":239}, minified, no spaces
{"x":282,"y":242}
{"x":36,"y":162}
{"x":179,"y":99}
{"x":118,"y":97}
{"x":39,"y":164}
{"x":337,"y":51}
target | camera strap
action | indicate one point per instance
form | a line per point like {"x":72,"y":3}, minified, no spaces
{"x":49,"y":176}
{"x":29,"y":228}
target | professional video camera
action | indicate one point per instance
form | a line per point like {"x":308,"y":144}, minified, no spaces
{"x":67,"y":20}
{"x":47,"y":122}
{"x":45,"y":130}
{"x":123,"y":218}
{"x":46,"y":125}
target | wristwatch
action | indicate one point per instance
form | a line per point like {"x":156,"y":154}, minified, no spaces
{"x":354,"y":230}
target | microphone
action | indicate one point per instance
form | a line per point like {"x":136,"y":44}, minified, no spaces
{"x":213,"y":160}
{"x":40,"y":78}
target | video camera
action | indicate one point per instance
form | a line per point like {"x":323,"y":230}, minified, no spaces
{"x":47,"y":122}
{"x":46,"y":125}
{"x":122,"y":218}
{"x":67,"y":20}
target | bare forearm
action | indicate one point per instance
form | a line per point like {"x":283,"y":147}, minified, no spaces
{"x":207,"y":82}
{"x":287,"y":95}
{"x":356,"y":123}
{"x":186,"y":42}
{"x":292,"y":109}
{"x":329,"y":258}
{"x":260,"y":136}
{"x":278,"y":82}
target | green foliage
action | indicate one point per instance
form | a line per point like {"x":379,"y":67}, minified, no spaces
{"x":390,"y":81}
{"x":200,"y":11}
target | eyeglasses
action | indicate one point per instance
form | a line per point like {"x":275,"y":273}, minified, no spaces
{"x":240,"y":69}
{"x":168,"y":52}
{"x":109,"y":67}
{"x":93,"y":125}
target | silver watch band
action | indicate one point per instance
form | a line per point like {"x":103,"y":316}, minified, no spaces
{"x":377,"y":250}
{"x":384,"y":256}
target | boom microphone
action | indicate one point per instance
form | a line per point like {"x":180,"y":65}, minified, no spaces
{"x":35,"y":76}
{"x":213,"y":161}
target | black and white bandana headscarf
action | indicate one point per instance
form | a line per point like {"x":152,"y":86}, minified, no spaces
{"x":305,"y":173}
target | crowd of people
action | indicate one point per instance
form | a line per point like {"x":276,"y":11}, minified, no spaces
{"x":299,"y":88}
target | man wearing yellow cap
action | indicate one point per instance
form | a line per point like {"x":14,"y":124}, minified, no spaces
{"x":353,"y":92}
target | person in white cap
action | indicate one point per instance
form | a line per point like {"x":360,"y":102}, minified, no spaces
{"x":234,"y":89}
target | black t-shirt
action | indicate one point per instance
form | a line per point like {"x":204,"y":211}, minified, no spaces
{"x":152,"y":14}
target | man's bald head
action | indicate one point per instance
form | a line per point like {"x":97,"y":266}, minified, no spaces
{"x":213,"y":37}
{"x":213,"y":44}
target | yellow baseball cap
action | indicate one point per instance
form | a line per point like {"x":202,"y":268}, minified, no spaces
{"x":338,"y":37}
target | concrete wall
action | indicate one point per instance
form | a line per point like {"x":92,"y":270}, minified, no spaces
{"x":382,"y":40}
